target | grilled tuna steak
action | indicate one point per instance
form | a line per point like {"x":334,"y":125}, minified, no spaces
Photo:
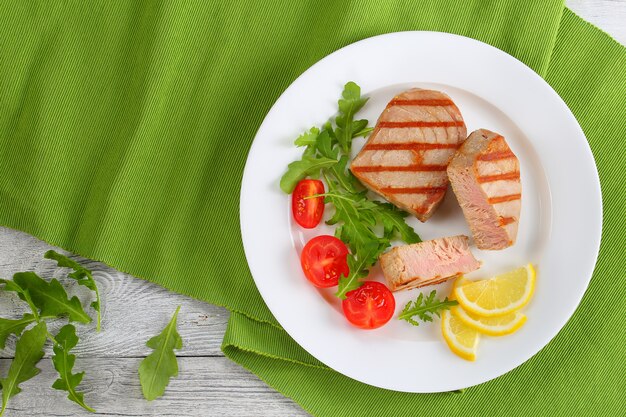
{"x":427,"y":263}
{"x":406,"y":156}
{"x":485,"y":177}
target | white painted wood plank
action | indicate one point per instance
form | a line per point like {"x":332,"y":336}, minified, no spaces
{"x":608,"y":15}
{"x":205,"y":387}
{"x":133,"y":309}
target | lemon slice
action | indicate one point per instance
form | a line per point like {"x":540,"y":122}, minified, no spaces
{"x":461,"y":339}
{"x":492,"y":326}
{"x":499,"y":295}
{"x":460,"y":281}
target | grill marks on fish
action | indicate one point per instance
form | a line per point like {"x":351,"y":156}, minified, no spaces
{"x":420,"y":102}
{"x":504,"y":198}
{"x":499,"y":177}
{"x":494,"y":156}
{"x":506,"y":220}
{"x":485,"y":176}
{"x":395,"y":125}
{"x":402,"y":168}
{"x":414,"y":139}
{"x":414,"y":146}
{"x":413,"y":190}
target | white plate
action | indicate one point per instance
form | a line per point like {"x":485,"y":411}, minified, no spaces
{"x":560,"y":225}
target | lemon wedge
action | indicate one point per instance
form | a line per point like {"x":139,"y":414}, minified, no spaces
{"x":492,"y":326}
{"x":497,"y":296}
{"x":461,"y":339}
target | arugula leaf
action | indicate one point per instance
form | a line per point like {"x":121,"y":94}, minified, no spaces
{"x":22,"y":294}
{"x":344,"y":177}
{"x":359,"y":126}
{"x":308,"y":138}
{"x":392,"y":219}
{"x":365,"y":257}
{"x":359,"y":217}
{"x":157,"y":368}
{"x":80,"y":274}
{"x":350,"y":103}
{"x":424,"y":308}
{"x":363,"y":133}
{"x":297,"y":170}
{"x":50,"y":297}
{"x":63,"y":362}
{"x":354,"y":230}
{"x":28,"y":352}
{"x":325,"y":145}
{"x":9,"y":327}
{"x":370,"y":213}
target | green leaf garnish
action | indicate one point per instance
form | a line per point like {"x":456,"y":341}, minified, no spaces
{"x":157,"y":368}
{"x":425,"y":307}
{"x":359,"y":265}
{"x":363,"y":133}
{"x":63,"y":362}
{"x":50,"y":297}
{"x":80,"y":274}
{"x":22,"y":294}
{"x":9,"y":327}
{"x":349,"y":103}
{"x":46,"y":300}
{"x":308,"y":138}
{"x":28,"y":352}
{"x":297,"y":170}
{"x":392,"y":219}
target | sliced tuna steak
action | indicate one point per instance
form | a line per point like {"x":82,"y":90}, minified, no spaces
{"x":485,"y":177}
{"x":406,"y":156}
{"x":427,"y":263}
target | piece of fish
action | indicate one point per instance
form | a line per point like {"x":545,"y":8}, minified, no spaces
{"x":485,"y":177}
{"x":406,"y":156}
{"x":427,"y":263}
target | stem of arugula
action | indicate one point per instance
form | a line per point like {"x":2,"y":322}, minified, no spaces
{"x":52,"y":339}
{"x":327,"y":195}
{"x":39,"y":319}
{"x":444,"y":305}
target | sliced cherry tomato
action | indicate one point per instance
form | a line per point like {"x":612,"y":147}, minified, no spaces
{"x":369,"y":306}
{"x":324,"y":259}
{"x":308,"y":212}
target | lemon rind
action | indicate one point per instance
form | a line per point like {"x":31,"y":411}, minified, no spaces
{"x":462,"y":353}
{"x":475,"y":309}
{"x":490,"y":331}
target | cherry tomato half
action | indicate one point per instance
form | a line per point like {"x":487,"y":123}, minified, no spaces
{"x":308,"y":212}
{"x":324,"y":259}
{"x":369,"y":306}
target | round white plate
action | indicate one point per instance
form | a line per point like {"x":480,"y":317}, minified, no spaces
{"x":560,"y":224}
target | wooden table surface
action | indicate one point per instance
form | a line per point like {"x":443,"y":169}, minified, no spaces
{"x":134,"y":310}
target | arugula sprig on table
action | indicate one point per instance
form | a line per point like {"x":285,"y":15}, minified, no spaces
{"x":366,"y":226}
{"x":425,"y":307}
{"x":63,"y":362}
{"x":157,"y":368}
{"x":82,"y":275}
{"x":46,"y":300}
{"x":28,"y":352}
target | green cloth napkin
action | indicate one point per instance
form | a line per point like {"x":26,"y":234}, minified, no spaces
{"x":124,"y":129}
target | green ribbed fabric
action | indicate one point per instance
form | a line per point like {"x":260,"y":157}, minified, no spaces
{"x":124,"y":129}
